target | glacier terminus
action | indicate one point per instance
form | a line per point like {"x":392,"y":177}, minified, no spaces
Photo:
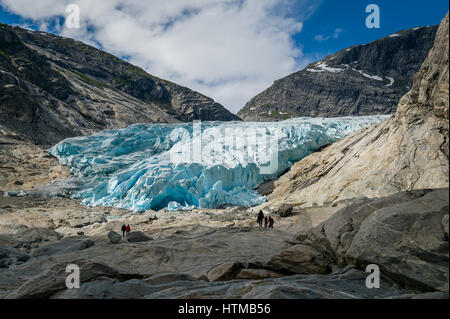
{"x":200,"y":164}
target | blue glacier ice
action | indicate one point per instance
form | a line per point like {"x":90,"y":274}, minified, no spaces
{"x":206,"y":165}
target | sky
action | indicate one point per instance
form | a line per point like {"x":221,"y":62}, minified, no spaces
{"x":229,"y":50}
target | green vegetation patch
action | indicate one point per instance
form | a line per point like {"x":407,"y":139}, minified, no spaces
{"x":88,"y":80}
{"x":124,"y":79}
{"x":400,"y":83}
{"x":6,"y":55}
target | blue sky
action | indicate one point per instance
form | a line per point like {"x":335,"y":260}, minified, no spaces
{"x":229,"y":50}
{"x":349,"y":16}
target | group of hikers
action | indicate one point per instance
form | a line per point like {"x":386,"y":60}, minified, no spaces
{"x":125,"y":230}
{"x":268,"y":221}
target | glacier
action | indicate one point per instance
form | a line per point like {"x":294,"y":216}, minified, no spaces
{"x":188,"y":165}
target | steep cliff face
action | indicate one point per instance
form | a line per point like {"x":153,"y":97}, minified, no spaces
{"x":361,"y":80}
{"x":53,"y":87}
{"x":408,"y":151}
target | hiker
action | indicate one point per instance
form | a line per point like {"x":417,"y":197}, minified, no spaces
{"x":260,"y":218}
{"x":124,"y":229}
{"x":271,"y":222}
{"x":266,"y":222}
{"x":128,"y":229}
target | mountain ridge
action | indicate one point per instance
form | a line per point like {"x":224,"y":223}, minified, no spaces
{"x":55,"y":87}
{"x":364,"y":79}
{"x":409,"y":151}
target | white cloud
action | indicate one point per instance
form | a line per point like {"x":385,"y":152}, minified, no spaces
{"x":335,"y":35}
{"x":321,"y":38}
{"x":229,"y":50}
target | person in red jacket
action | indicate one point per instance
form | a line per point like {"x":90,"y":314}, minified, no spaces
{"x":128,"y":229}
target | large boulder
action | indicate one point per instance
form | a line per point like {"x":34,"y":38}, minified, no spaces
{"x":114,"y":237}
{"x":137,"y":237}
{"x":85,"y":244}
{"x":108,"y":288}
{"x":63,"y":246}
{"x":284,"y":210}
{"x":347,"y":283}
{"x":300,"y":259}
{"x":53,"y":279}
{"x":408,"y":241}
{"x":402,"y":233}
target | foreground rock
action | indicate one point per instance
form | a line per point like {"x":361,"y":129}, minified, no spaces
{"x":285,"y":210}
{"x":348,"y":283}
{"x":258,"y":274}
{"x":99,"y":281}
{"x":445,"y":226}
{"x":403,"y":234}
{"x":224,"y":272}
{"x":199,"y":254}
{"x":301,"y":259}
{"x":54,"y":279}
{"x":37,"y":235}
{"x":11,"y":256}
{"x":186,"y":245}
{"x":137,"y":237}
{"x":114,"y":237}
{"x":62,"y":215}
{"x":66,"y":245}
{"x":215,"y":253}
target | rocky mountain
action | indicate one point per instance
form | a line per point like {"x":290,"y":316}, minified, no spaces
{"x":52,"y":88}
{"x":361,"y":80}
{"x":408,"y":151}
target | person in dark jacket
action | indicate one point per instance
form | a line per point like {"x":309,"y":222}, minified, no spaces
{"x":271,"y":222}
{"x":124,"y":229}
{"x":266,"y":221}
{"x":260,"y":218}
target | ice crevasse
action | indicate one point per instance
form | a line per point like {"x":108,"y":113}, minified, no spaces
{"x":205,"y":165}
